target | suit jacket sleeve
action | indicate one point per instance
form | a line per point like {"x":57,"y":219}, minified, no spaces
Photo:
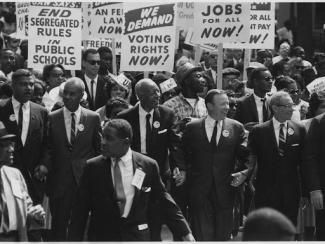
{"x":97,"y":136}
{"x":81,"y":209}
{"x":312,"y":156}
{"x":242,"y":152}
{"x":47,"y":160}
{"x":44,"y":155}
{"x":173,"y":215}
{"x":239,"y":111}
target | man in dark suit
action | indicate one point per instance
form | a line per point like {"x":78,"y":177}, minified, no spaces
{"x":74,"y":137}
{"x":277,"y":149}
{"x":117,"y":188}
{"x":315,"y":168}
{"x":154,"y":132}
{"x":254,"y":108}
{"x":212,"y":72}
{"x":94,"y":83}
{"x":211,"y":146}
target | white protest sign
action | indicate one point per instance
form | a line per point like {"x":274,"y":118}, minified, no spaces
{"x":122,"y":80}
{"x":54,"y":34}
{"x":221,"y":22}
{"x":316,"y":85}
{"x":185,"y":14}
{"x":262,"y":22}
{"x":22,"y":19}
{"x":167,"y":85}
{"x":96,"y":43}
{"x":149,"y":37}
{"x":86,"y":15}
{"x":106,"y":20}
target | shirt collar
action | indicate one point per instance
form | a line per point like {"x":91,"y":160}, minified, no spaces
{"x":77,"y":112}
{"x":126,"y":158}
{"x":16,"y":104}
{"x":257,"y":98}
{"x":211,"y":121}
{"x":277,"y":123}
{"x":143,"y":112}
{"x":88,"y":80}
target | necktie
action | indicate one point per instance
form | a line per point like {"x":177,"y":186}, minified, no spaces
{"x":73,"y":128}
{"x":282,"y":141}
{"x":92,"y":91}
{"x":20,"y":119}
{"x":265,"y":114}
{"x":213,"y":141}
{"x":148,"y":134}
{"x":119,"y":189}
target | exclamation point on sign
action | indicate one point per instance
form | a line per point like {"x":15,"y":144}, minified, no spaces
{"x":265,"y":38}
{"x":239,"y":30}
{"x":165,"y":59}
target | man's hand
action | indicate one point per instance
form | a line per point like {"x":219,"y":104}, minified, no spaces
{"x":40,"y":172}
{"x":239,"y":179}
{"x":316,"y":198}
{"x":179,"y":176}
{"x":36,"y":212}
{"x":188,"y":237}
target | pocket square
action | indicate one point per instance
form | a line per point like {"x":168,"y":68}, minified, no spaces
{"x":146,"y":189}
{"x":295,"y":145}
{"x":162,"y":131}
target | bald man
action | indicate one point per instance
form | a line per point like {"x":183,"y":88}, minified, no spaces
{"x":74,"y":137}
{"x":153,"y":131}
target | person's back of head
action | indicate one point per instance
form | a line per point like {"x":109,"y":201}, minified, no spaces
{"x":266,"y":224}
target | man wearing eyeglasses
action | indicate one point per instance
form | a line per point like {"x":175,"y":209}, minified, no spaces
{"x":276,"y":147}
{"x":94,"y":83}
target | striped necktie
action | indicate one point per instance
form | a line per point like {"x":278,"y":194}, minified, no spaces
{"x":73,"y":129}
{"x":282,"y":141}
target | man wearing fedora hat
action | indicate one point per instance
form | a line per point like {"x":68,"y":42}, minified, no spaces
{"x":17,"y":213}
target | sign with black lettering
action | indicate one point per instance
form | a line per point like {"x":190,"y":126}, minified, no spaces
{"x":22,"y":19}
{"x":221,"y":22}
{"x":149,"y":37}
{"x":54,"y":34}
{"x":185,"y":15}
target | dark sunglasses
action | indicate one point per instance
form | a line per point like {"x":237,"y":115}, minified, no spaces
{"x":294,"y":91}
{"x":93,"y":62}
{"x":268,"y":78}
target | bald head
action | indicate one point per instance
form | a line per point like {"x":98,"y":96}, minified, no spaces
{"x":72,"y":93}
{"x":76,"y":83}
{"x":148,"y":93}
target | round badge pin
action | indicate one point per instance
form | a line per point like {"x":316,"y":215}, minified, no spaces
{"x":225,"y":133}
{"x":156,"y":124}
{"x":81,"y":127}
{"x":12,"y":117}
{"x":290,"y":131}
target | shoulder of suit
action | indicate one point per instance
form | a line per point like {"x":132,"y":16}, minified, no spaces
{"x":95,"y":160}
{"x":196,"y":122}
{"x":4,"y":102}
{"x":55,"y":113}
{"x":244,"y":98}
{"x":89,"y":112}
{"x":143,"y":159}
{"x":233,"y":122}
{"x":126,"y":112}
{"x":165,"y":109}
{"x":37,"y":106}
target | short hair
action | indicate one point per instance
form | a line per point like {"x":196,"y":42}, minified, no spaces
{"x":88,"y":51}
{"x":122,"y":127}
{"x":48,"y":68}
{"x":283,"y":82}
{"x":257,"y":72}
{"x":210,"y":95}
{"x":266,"y":224}
{"x":78,"y":81}
{"x":139,"y":84}
{"x":277,"y":96}
{"x":6,"y":50}
{"x":41,"y":83}
{"x":103,"y":50}
{"x":115,"y":103}
{"x":21,"y":73}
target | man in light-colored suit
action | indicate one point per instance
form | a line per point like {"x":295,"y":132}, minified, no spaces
{"x":74,"y":137}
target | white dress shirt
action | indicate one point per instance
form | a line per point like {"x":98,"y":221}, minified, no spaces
{"x":143,"y":128}
{"x":67,"y":121}
{"x":259,"y":107}
{"x":126,"y":167}
{"x":209,"y":126}
{"x":26,"y":117}
{"x":276,"y":127}
{"x":214,"y":76}
{"x":88,"y":82}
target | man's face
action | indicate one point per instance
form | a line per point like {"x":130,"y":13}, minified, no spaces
{"x":23,"y":88}
{"x":264,"y":82}
{"x":72,"y":95}
{"x":106,"y":60}
{"x":7,"y":61}
{"x":219,"y":106}
{"x":38,"y":94}
{"x":91,"y":64}
{"x":149,"y":96}
{"x":294,"y":92}
{"x":213,"y":60}
{"x":6,"y":153}
{"x":197,"y":81}
{"x":284,"y":49}
{"x":283,"y":111}
{"x":228,"y":81}
{"x":56,"y":77}
{"x":111,"y":144}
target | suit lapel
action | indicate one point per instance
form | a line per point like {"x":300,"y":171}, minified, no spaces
{"x":272,"y":134}
{"x":11,"y":126}
{"x":82,"y":121}
{"x":222,"y":138}
{"x":63,"y":126}
{"x":290,"y":134}
{"x":203,"y":132}
{"x":108,"y":181}
{"x":156,"y":117}
{"x":136,"y":129}
{"x":32,"y":121}
{"x":252,"y":104}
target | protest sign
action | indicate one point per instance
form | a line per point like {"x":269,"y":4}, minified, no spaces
{"x":262,"y":22}
{"x":122,"y":80}
{"x":86,"y":15}
{"x":189,"y":41}
{"x":106,"y":20}
{"x":96,"y":43}
{"x":221,"y":22}
{"x":185,"y":15}
{"x":167,"y":85}
{"x":55,"y":28}
{"x":316,"y":85}
{"x":149,"y":37}
{"x":22,"y":19}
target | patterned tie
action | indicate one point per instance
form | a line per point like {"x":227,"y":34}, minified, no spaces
{"x":20,"y":119}
{"x":282,"y":141}
{"x":73,"y":128}
{"x":119,"y":189}
{"x":213,"y":141}
{"x":265,"y":114}
{"x":148,"y":134}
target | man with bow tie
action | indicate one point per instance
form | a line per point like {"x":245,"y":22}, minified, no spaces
{"x":118,"y":188}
